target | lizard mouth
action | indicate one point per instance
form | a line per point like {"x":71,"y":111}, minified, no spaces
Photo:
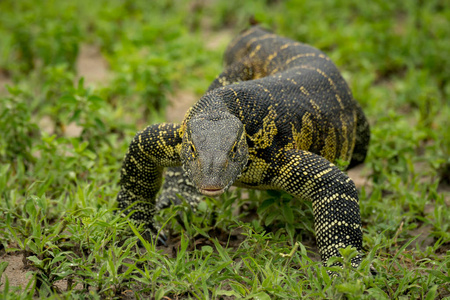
{"x":212,"y":192}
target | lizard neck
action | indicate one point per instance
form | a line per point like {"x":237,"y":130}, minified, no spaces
{"x":211,"y":103}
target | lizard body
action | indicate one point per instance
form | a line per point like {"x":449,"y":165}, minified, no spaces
{"x":277,"y":117}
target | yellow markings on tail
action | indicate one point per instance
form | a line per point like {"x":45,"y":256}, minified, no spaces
{"x":345,"y":153}
{"x":241,"y":37}
{"x":324,"y":56}
{"x":329,"y":150}
{"x":261,"y":38}
{"x":333,"y":85}
{"x":241,"y":114}
{"x":303,"y":139}
{"x":288,"y":45}
{"x":330,"y":81}
{"x":186,"y":117}
{"x":269,"y":59}
{"x":180,"y":131}
{"x":339,"y":100}
{"x":255,"y":51}
{"x":326,"y":76}
{"x":325,"y":227}
{"x":258,"y":72}
{"x":311,"y":101}
{"x":316,"y":108}
{"x":288,"y":61}
{"x":275,"y":54}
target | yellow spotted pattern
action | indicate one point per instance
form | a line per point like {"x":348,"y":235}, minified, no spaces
{"x":298,"y":115}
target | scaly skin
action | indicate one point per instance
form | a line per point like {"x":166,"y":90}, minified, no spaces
{"x":276,"y":118}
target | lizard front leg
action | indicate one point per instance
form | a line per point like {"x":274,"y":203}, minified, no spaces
{"x":334,"y":199}
{"x":176,"y":185}
{"x":152,"y":149}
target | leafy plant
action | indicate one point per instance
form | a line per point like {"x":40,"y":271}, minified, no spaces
{"x":62,"y":141}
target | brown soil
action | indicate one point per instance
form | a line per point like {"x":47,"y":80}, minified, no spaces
{"x":92,"y":65}
{"x":180,"y":101}
{"x":16,"y":270}
{"x":358,"y":176}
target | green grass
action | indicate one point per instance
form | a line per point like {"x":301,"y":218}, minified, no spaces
{"x":57,"y":190}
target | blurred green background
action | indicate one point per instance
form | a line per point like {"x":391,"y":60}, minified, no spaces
{"x":79,"y":78}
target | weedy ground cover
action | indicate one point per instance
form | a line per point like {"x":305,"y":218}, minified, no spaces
{"x":63,"y":138}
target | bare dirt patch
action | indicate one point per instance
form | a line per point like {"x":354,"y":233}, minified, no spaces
{"x":180,"y":101}
{"x":16,"y":270}
{"x":218,"y":39}
{"x":92,"y":65}
{"x":358,"y":176}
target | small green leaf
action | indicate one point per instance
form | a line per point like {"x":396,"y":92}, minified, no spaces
{"x":207,"y":249}
{"x":100,"y":124}
{"x":228,"y":293}
{"x":261,"y":296}
{"x":290,"y":229}
{"x":30,"y":207}
{"x":223,"y":254}
{"x":439,"y":275}
{"x":95,"y":99}
{"x":59,"y":258}
{"x":288,"y":214}
{"x":431,"y":293}
{"x":3,"y":266}
{"x":156,"y":274}
{"x":37,"y":262}
{"x":349,"y":252}
{"x":200,"y":230}
{"x":160,"y":293}
{"x":351,"y":288}
{"x":68,"y":99}
{"x":265,"y":205}
{"x":221,"y":267}
{"x":238,"y":288}
{"x":273,"y":215}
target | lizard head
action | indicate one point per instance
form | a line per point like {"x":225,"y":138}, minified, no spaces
{"x":214,"y":151}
